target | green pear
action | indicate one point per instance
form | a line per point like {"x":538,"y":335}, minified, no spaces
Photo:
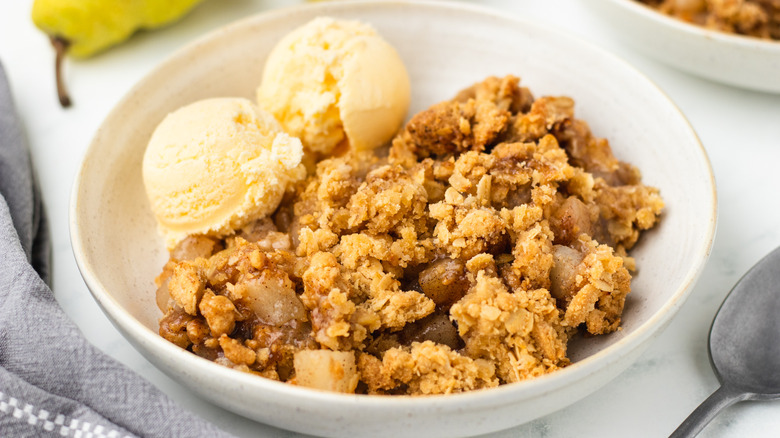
{"x":82,"y":28}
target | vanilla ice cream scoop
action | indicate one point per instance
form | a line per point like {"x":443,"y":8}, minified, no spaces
{"x":335,"y":80}
{"x":214,"y":165}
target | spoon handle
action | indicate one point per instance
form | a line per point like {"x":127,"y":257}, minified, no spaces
{"x":707,"y":410}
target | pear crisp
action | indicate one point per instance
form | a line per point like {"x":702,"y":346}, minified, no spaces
{"x":494,"y":228}
{"x":755,"y":18}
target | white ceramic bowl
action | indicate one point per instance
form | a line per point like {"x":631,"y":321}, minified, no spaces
{"x":445,"y":47}
{"x":742,"y":61}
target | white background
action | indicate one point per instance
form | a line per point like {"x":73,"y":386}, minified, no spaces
{"x":740,"y":130}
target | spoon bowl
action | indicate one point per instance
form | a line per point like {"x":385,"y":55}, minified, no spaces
{"x":743,"y":344}
{"x":743,"y":339}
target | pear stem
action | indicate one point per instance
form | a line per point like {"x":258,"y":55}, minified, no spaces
{"x":60,"y":48}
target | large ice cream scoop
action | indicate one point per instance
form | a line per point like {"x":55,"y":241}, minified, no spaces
{"x":331,"y":81}
{"x":216,"y":164}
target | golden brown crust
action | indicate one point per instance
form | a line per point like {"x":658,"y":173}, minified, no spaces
{"x":425,"y":368}
{"x":756,"y":18}
{"x":494,"y":229}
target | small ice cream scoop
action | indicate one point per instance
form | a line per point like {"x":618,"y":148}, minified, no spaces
{"x":331,"y":81}
{"x":215,"y":165}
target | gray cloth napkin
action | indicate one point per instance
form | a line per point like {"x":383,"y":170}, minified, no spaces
{"x":52,"y":381}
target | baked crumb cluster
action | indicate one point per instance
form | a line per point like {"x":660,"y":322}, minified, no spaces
{"x":494,"y":229}
{"x":756,"y":18}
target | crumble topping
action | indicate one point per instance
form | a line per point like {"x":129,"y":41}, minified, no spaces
{"x":755,"y":18}
{"x":494,"y":229}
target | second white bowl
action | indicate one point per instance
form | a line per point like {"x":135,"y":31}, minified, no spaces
{"x":737,"y":60}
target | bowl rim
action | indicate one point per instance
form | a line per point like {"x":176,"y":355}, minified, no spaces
{"x":127,"y":324}
{"x":766,"y":46}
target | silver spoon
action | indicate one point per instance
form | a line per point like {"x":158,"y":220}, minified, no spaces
{"x":744,"y":344}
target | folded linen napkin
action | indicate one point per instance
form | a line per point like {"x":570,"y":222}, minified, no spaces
{"x":52,"y":381}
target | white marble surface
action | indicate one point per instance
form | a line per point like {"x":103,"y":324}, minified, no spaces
{"x":740,"y":130}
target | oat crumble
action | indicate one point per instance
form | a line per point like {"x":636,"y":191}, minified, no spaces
{"x":755,"y":18}
{"x":494,"y":229}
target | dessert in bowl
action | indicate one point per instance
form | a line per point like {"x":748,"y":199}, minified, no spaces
{"x":714,"y":49}
{"x":753,"y":18}
{"x":119,"y":251}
